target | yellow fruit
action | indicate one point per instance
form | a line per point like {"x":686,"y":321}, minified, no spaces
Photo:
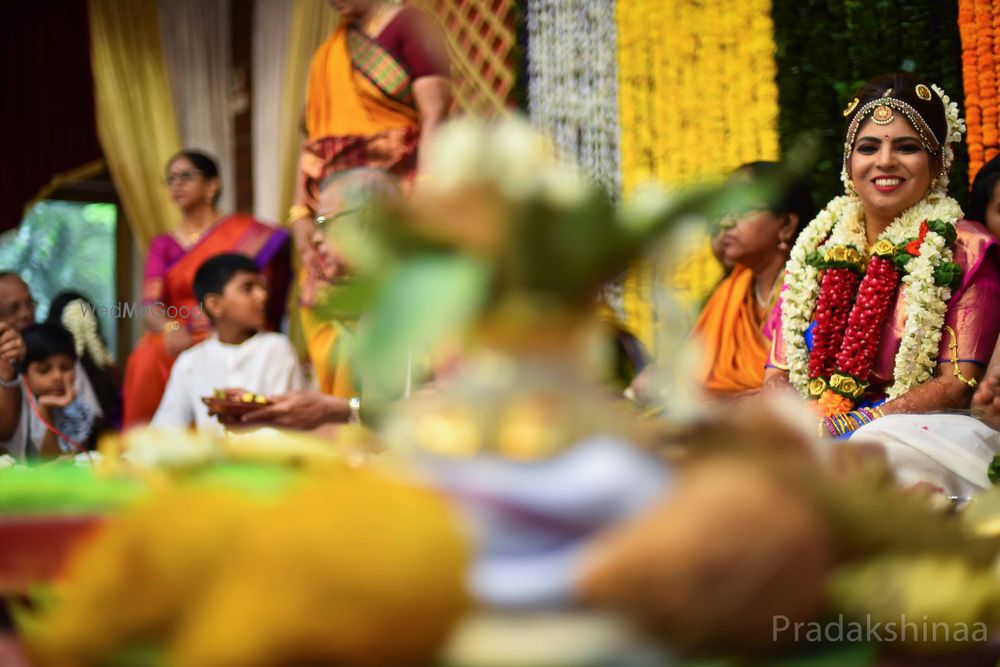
{"x":138,"y":575}
{"x":354,"y":569}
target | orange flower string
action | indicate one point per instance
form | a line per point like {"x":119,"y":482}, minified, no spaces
{"x":979,"y":28}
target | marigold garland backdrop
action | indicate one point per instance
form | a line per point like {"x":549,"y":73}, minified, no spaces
{"x":979,"y":27}
{"x":697,"y":98}
{"x":680,"y":90}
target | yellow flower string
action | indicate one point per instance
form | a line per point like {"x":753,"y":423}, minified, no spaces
{"x":697,"y":98}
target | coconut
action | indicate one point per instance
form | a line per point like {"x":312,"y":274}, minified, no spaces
{"x":721,"y":560}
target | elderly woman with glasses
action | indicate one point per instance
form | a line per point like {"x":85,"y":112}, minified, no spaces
{"x":733,"y":327}
{"x":343,"y":203}
{"x":173,"y":318}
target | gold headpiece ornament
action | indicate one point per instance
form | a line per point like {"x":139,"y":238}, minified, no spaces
{"x":882,"y":115}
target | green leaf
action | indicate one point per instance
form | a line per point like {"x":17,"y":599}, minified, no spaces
{"x":421,"y":302}
{"x":994,"y":470}
{"x":947,"y":274}
{"x":945,"y":230}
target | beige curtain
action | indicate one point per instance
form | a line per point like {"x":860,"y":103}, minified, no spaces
{"x":312,"y":22}
{"x":271,"y":28}
{"x":135,"y":111}
{"x":197,"y":51}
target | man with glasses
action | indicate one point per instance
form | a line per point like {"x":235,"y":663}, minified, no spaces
{"x":344,"y":203}
{"x":17,"y":313}
{"x":17,"y":307}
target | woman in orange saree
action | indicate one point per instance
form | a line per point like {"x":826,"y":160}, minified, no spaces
{"x":171,"y":313}
{"x":733,"y":327}
{"x":378,"y":89}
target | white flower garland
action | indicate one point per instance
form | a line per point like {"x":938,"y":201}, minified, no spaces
{"x":926,"y":303}
{"x":573,"y":82}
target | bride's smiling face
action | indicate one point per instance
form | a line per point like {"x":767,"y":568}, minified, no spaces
{"x":889,"y":166}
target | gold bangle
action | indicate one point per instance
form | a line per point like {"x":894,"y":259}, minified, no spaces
{"x":297,"y":212}
{"x":354,"y":405}
{"x":953,"y":346}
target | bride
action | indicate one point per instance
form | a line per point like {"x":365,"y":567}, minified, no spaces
{"x":888,"y":311}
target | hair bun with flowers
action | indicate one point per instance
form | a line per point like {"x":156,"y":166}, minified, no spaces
{"x":79,"y":319}
{"x":956,"y":128}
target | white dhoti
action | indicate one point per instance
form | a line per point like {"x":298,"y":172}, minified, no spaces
{"x":952,"y":452}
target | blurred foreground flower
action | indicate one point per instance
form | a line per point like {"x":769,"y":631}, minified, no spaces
{"x":499,"y":226}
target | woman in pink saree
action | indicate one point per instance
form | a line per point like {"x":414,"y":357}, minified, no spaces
{"x":888,"y":311}
{"x":172,"y":315}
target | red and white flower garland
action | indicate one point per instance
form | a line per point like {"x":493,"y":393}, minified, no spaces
{"x":850,"y":294}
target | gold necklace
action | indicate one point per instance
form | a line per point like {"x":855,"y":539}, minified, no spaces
{"x":772,"y":297}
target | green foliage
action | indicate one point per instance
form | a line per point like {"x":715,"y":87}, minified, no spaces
{"x":994,"y":470}
{"x":901,"y":260}
{"x":63,"y":245}
{"x":948,"y":274}
{"x":945,"y":230}
{"x":827,"y":48}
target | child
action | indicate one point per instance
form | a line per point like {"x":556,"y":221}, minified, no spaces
{"x":77,"y":314}
{"x":238,"y":354}
{"x":53,"y":421}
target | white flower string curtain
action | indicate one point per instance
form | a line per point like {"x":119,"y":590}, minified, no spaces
{"x":573,"y":82}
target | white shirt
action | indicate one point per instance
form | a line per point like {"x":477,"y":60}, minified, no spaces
{"x":265,"y":363}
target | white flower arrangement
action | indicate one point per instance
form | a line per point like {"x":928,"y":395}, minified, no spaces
{"x":925,"y":302}
{"x":79,"y":319}
{"x":507,"y":154}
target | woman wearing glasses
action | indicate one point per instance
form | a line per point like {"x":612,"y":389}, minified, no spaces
{"x":734,"y":326}
{"x":174,"y":321}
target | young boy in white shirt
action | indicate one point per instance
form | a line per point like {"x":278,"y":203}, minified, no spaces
{"x":237,"y":355}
